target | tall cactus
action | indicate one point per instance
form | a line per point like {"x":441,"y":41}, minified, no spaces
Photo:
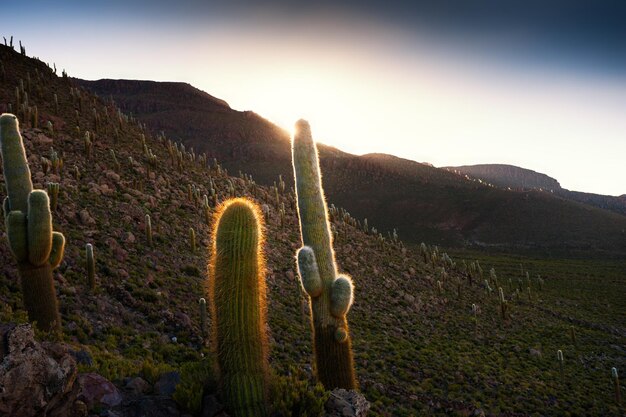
{"x":37,"y":249}
{"x":237,"y":300}
{"x":330,"y":293}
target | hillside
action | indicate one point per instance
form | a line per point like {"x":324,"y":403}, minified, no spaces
{"x":420,"y":201}
{"x":419,"y":348}
{"x":508,"y":176}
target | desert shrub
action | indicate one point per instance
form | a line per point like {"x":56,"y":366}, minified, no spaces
{"x":196,"y":378}
{"x":296,"y":395}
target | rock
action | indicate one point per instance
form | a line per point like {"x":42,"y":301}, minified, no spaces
{"x":182,"y":320}
{"x":343,"y":403}
{"x":112,"y":175}
{"x":85,"y":218}
{"x":35,"y":379}
{"x":211,"y":407}
{"x":96,"y":390}
{"x":138,"y":385}
{"x":535,"y":353}
{"x":151,"y":406}
{"x":83,"y":357}
{"x":166,"y":385}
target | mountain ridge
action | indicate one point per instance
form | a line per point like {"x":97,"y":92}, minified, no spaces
{"x":420,"y":201}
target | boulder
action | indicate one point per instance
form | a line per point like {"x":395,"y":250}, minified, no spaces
{"x":344,"y":403}
{"x":96,"y":390}
{"x":35,"y":378}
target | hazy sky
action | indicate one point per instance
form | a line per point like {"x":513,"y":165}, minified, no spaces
{"x":453,"y":82}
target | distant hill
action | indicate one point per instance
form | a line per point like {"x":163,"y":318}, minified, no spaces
{"x":509,"y":176}
{"x":423,"y":202}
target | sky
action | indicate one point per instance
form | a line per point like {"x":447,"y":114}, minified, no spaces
{"x":538,"y":84}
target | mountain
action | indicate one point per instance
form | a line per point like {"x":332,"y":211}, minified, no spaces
{"x":509,"y":176}
{"x":424,"y":203}
{"x":419,"y":347}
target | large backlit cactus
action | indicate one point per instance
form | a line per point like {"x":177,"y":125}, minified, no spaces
{"x":37,"y":249}
{"x":330,"y":293}
{"x":237,"y":300}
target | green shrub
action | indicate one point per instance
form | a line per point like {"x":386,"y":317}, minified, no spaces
{"x":296,"y":395}
{"x":196,"y":378}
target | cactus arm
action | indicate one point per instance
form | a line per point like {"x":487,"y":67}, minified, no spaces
{"x":16,"y":233}
{"x":308,"y":271}
{"x":341,"y":296}
{"x":6,"y":207}
{"x":58,"y":249}
{"x":14,"y":163}
{"x":39,"y":228}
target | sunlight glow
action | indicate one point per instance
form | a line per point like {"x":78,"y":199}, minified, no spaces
{"x":366,"y":89}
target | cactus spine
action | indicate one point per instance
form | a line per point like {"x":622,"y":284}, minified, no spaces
{"x":36,"y":247}
{"x":331,"y":295}
{"x":237,"y":299}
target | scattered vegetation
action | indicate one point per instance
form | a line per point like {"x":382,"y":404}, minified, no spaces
{"x":419,"y":347}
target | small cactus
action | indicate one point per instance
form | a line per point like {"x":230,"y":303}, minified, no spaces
{"x":33,"y":243}
{"x":475,"y":316}
{"x":237,"y":297}
{"x":203,"y":319}
{"x":503,"y":303}
{"x":148,"y":223}
{"x":618,"y":394}
{"x":192,"y":240}
{"x":53,"y":193}
{"x":559,"y":358}
{"x":90,"y":266}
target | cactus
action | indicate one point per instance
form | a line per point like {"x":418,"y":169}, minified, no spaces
{"x":207,"y":209}
{"x":192,"y":239}
{"x":475,"y":316}
{"x":237,"y":298}
{"x":615,"y":377}
{"x":35,"y":118}
{"x":35,"y":246}
{"x":148,"y":230}
{"x":90,"y":266}
{"x":330,"y":294}
{"x":503,"y":303}
{"x":572,"y":333}
{"x":203,"y":319}
{"x":53,"y":193}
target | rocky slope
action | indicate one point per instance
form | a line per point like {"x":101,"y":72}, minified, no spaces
{"x":415,"y":351}
{"x":420,"y":201}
